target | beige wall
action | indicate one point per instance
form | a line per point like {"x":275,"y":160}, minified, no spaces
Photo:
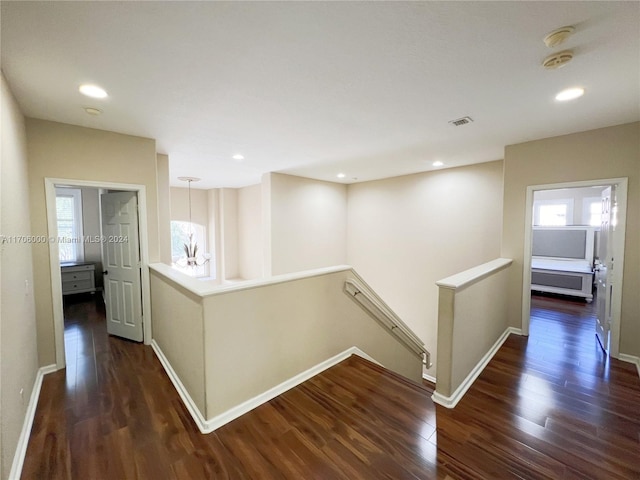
{"x":65,"y":151}
{"x":308,"y":226}
{"x":250,"y":232}
{"x":199,"y":205}
{"x":215,"y":234}
{"x":228,"y":203}
{"x":257,"y":338}
{"x":597,"y":154}
{"x":266,"y":224}
{"x":18,"y":346}
{"x":91,"y":227}
{"x":164,"y":208}
{"x":405,"y":233}
{"x":179,"y":331}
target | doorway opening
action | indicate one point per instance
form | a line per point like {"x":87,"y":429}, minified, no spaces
{"x":139,"y":261}
{"x":566,"y":248}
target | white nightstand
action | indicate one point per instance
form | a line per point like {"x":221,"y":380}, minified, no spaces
{"x":78,"y":278}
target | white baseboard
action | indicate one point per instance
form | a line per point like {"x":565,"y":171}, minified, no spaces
{"x":244,"y":407}
{"x":193,"y":409}
{"x":429,"y":378}
{"x":23,"y":440}
{"x":208,"y":426}
{"x":452,"y":401}
{"x":630,"y":359}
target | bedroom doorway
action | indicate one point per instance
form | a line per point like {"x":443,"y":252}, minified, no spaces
{"x":54,"y":254}
{"x":564,"y":242}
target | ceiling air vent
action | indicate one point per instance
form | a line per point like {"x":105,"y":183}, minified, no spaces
{"x":461,"y":121}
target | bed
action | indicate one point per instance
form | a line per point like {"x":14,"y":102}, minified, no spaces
{"x":562,"y":261}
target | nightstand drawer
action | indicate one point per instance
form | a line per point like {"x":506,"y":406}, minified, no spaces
{"x":69,"y":287}
{"x":75,"y":276}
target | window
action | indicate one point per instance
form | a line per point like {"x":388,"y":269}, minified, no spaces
{"x":553,"y":213}
{"x":592,"y":211}
{"x":179,"y":238}
{"x":69,"y":219}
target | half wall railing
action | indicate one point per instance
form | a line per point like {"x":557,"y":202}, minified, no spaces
{"x":472,"y":325}
{"x":230,"y":348}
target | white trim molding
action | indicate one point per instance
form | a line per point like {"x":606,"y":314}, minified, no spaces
{"x":473,"y":275}
{"x":233,"y":413}
{"x":209,"y":425}
{"x":193,"y":409}
{"x":206,"y":288}
{"x":452,"y":401}
{"x":429,"y":378}
{"x":23,"y":439}
{"x":630,"y":359}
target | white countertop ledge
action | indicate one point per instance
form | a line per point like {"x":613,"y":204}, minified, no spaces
{"x":475,"y":274}
{"x":206,"y":288}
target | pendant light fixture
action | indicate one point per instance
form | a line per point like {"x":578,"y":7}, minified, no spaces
{"x":190,"y":246}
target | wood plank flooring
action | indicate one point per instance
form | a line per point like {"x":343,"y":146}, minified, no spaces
{"x":548,"y":406}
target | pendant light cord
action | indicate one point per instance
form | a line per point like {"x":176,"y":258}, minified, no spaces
{"x":190,"y":223}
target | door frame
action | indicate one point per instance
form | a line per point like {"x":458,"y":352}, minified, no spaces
{"x":56,"y":278}
{"x":618,"y":245}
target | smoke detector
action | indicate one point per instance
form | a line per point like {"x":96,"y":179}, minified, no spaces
{"x":557,"y":60}
{"x":461,"y":121}
{"x":558,"y":36}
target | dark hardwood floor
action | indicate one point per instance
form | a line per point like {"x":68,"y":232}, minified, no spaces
{"x":548,"y":406}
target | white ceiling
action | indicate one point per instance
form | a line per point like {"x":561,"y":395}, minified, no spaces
{"x":315,"y":88}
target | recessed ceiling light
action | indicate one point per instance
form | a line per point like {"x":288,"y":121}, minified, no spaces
{"x":341,"y":175}
{"x":570,"y":94}
{"x":93,"y":111}
{"x":238,"y":157}
{"x":92,"y":91}
{"x":438,"y":163}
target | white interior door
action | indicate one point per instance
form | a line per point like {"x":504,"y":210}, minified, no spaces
{"x":604,"y":272}
{"x":122,"y":283}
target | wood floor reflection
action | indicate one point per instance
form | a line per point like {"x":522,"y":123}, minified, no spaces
{"x":548,"y":406}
